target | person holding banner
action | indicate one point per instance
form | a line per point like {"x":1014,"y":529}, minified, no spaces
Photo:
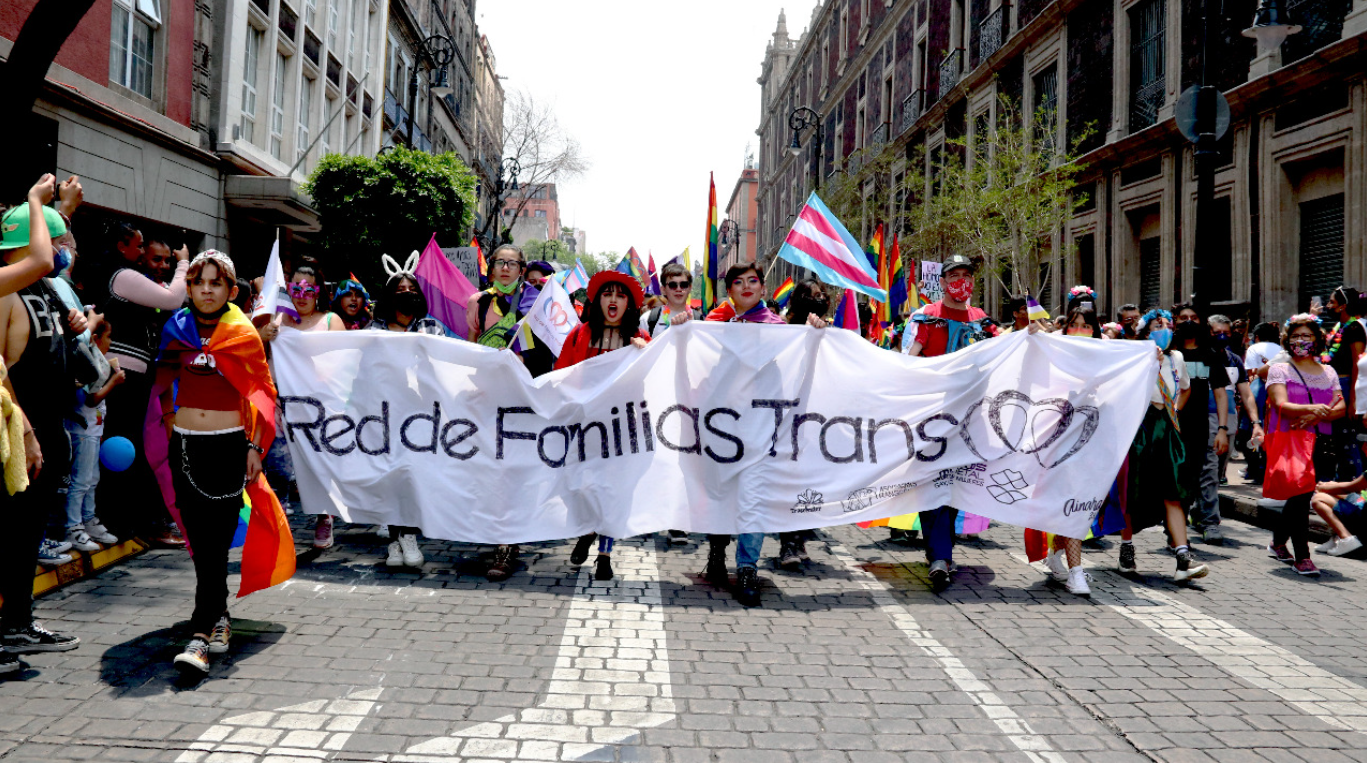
{"x":351,"y":303}
{"x":493,"y":313}
{"x":304,"y":290}
{"x":744,"y":304}
{"x":536,"y":356}
{"x":215,"y":428}
{"x":613,"y":322}
{"x":940,"y":328}
{"x":403,"y":308}
{"x":676,"y":283}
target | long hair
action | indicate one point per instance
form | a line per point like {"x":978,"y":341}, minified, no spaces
{"x":809,"y":298}
{"x":384,"y":302}
{"x":631,"y":316}
{"x":1084,"y":310}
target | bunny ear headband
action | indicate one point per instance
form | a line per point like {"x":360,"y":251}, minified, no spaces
{"x":392,"y":268}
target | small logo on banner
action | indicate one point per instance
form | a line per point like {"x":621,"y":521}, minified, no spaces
{"x":808,"y":501}
{"x":1007,"y":487}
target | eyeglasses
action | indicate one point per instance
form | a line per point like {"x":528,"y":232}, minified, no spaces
{"x":302,"y":290}
{"x":679,"y":285}
{"x":508,"y":264}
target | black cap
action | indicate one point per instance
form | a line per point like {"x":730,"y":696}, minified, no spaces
{"x":957,"y":261}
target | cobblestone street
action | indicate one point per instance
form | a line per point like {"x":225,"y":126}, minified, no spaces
{"x":851,"y":660}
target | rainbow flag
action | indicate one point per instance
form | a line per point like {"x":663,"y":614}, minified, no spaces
{"x":784,"y":291}
{"x":878,"y":256}
{"x":710,"y":274}
{"x":268,"y":550}
{"x":624,"y":266}
{"x":965,"y":524}
{"x":638,"y":268}
{"x":897,"y":282}
{"x":479,"y":253}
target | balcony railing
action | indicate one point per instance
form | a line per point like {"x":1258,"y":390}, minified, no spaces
{"x":879,"y":136}
{"x":911,"y":109}
{"x":288,"y":22}
{"x":951,"y":69}
{"x":1144,"y":106}
{"x":1321,"y":23}
{"x":393,"y":111}
{"x":993,"y":31}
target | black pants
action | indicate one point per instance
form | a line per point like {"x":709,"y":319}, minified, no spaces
{"x":1295,"y":520}
{"x":26,"y":516}
{"x":130,"y":501}
{"x":207,"y":471}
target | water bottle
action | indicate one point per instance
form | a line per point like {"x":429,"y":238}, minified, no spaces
{"x":1255,"y":443}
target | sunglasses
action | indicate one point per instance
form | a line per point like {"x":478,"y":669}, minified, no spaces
{"x":679,"y":285}
{"x":301,"y":290}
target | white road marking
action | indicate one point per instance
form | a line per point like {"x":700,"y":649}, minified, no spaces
{"x":1307,"y":687}
{"x":611,"y":675}
{"x":1034,"y":746}
{"x":313,"y":729}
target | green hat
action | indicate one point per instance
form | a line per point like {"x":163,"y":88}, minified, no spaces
{"x":14,"y":226}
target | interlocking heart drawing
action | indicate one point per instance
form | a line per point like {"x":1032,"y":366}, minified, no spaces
{"x":1014,"y":423}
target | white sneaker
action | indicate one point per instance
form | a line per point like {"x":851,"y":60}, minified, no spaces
{"x":412,"y":555}
{"x":1343,"y":546}
{"x":395,"y":555}
{"x":98,"y":533}
{"x":80,"y":540}
{"x":1077,"y":581}
{"x":1327,"y":547}
{"x":1057,"y":565}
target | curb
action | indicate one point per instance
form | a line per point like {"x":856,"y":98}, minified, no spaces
{"x":1241,"y":505}
{"x":84,"y":565}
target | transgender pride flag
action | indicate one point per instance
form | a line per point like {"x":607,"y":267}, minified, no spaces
{"x":821,"y":244}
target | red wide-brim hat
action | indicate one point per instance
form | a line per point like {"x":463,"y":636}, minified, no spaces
{"x":604,"y":277}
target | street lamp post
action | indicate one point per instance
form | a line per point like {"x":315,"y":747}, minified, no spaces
{"x":507,"y":168}
{"x":800,"y":119}
{"x":439,"y":50}
{"x":729,"y":228}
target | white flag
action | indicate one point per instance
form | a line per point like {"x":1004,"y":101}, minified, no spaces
{"x":552,"y":316}
{"x":274,"y":298}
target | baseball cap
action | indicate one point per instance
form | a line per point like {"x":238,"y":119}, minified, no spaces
{"x":14,"y":226}
{"x":955,"y":261}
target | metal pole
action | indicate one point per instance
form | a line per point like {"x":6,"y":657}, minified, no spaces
{"x":412,"y":100}
{"x":1206,"y":155}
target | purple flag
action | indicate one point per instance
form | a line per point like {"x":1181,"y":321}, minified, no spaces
{"x":446,"y":288}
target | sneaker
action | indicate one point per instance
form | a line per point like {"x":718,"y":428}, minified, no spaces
{"x":56,"y":546}
{"x":1212,"y":536}
{"x":99,"y":533}
{"x":1057,"y":565}
{"x":1077,"y":581}
{"x":502,"y":566}
{"x":788,"y":558}
{"x":36,"y":638}
{"x":1186,"y":570}
{"x":81,"y":540}
{"x":1344,"y":546}
{"x":580,"y":554}
{"x":800,"y":546}
{"x":322,"y":532}
{"x":412,"y":555}
{"x":603,"y":569}
{"x":194,"y":661}
{"x":747,"y":587}
{"x":395,"y":558}
{"x":939,"y":575}
{"x":1327,"y":547}
{"x":902,"y":536}
{"x":1127,"y":563}
{"x":715,"y":572}
{"x":170,"y":538}
{"x":49,"y":558}
{"x":1280,"y":553}
{"x":678,"y":538}
{"x":382,"y":532}
{"x":1307,"y":568}
{"x":9,"y":663}
{"x":218,"y":640}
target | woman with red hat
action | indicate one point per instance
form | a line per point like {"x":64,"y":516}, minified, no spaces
{"x":612,"y":321}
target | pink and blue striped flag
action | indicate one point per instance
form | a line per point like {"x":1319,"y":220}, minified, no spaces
{"x":574,"y":279}
{"x":820,"y":243}
{"x":446,"y":288}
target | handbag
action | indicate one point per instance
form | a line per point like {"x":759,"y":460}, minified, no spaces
{"x":1290,"y":464}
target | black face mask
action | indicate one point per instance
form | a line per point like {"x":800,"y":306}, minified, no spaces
{"x":804,"y":303}
{"x":409,"y":303}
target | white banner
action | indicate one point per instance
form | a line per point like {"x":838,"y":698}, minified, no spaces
{"x":717,"y":428}
{"x":552,"y":315}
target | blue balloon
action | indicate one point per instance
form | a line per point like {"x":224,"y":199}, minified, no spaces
{"x":117,"y":453}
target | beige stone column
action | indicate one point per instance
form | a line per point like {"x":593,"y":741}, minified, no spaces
{"x":1356,"y":20}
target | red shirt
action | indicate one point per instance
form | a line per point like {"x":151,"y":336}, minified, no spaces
{"x":578,"y":347}
{"x":934,"y":336}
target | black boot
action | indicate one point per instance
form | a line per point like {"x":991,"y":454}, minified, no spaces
{"x":580,"y":554}
{"x":603,"y":570}
{"x":715,"y":572}
{"x":747,"y":587}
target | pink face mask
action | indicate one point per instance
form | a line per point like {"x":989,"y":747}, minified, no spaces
{"x":961,"y":289}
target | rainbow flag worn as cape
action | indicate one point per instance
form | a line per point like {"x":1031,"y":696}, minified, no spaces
{"x":237,"y":352}
{"x":784,"y":292}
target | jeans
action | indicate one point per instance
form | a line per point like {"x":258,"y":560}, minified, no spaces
{"x":1205,"y":512}
{"x":938,"y":527}
{"x":748,"y":547}
{"x":85,"y":475}
{"x":207,"y":471}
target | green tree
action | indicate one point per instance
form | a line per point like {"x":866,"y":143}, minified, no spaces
{"x":550,"y":251}
{"x":389,"y":204}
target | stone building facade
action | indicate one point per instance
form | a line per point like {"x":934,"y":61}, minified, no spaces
{"x":1291,"y":191}
{"x":742,"y":208}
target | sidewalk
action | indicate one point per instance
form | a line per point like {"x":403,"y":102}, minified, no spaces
{"x":1239,"y":500}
